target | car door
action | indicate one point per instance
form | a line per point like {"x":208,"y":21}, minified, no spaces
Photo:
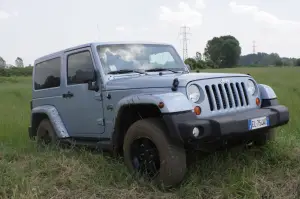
{"x":82,"y":113}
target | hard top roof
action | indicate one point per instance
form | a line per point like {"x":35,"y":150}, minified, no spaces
{"x":58,"y":53}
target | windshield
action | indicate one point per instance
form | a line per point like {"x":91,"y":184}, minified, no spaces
{"x":139,"y":57}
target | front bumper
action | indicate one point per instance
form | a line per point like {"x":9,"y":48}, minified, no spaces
{"x":181,"y":124}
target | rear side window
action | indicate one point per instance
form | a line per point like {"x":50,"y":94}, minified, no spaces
{"x":80,"y":67}
{"x":47,"y":74}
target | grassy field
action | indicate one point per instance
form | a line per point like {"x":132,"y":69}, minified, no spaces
{"x":25,"y":172}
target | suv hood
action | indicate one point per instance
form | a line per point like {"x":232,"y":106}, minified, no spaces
{"x":160,"y":81}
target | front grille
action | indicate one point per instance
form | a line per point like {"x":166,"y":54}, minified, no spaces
{"x":226,"y":96}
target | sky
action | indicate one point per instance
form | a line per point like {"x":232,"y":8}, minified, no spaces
{"x":33,"y":28}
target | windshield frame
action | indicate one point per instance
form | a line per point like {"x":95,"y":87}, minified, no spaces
{"x":173,"y":52}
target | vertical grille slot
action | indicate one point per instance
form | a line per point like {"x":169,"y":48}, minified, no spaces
{"x":209,"y":96}
{"x":234,"y":95}
{"x":216,"y":97}
{"x":245,"y":93}
{"x":228,"y":95}
{"x":239,"y":93}
{"x":222,"y":96}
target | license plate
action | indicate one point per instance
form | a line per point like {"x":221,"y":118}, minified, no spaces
{"x":257,"y":123}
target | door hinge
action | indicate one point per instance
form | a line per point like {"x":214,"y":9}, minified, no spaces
{"x":101,"y":121}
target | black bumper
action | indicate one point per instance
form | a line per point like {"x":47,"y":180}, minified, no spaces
{"x":181,"y":125}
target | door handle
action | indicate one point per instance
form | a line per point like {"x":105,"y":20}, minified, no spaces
{"x":67,"y":95}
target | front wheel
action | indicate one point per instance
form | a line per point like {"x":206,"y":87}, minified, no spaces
{"x":148,"y":151}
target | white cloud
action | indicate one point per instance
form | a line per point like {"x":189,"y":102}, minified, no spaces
{"x":120,"y":28}
{"x":200,"y":4}
{"x":261,"y":16}
{"x":144,"y":29}
{"x":15,"y":13}
{"x":184,"y":16}
{"x":6,"y":15}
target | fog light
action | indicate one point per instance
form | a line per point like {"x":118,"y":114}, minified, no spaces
{"x":196,"y":132}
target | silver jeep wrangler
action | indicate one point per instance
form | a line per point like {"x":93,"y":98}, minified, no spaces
{"x":141,"y":101}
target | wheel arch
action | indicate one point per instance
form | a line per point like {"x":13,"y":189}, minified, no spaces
{"x":135,"y":107}
{"x":48,"y":112}
{"x":266,"y":92}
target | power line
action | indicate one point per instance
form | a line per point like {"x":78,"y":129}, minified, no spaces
{"x":184,"y":32}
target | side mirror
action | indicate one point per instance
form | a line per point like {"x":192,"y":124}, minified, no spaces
{"x":90,"y":78}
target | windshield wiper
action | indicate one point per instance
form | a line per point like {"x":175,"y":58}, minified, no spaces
{"x":123,"y":71}
{"x":160,"y":69}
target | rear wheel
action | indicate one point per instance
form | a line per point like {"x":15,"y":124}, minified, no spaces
{"x":46,"y":134}
{"x":148,"y":152}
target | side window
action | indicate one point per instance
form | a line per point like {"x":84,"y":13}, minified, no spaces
{"x":80,"y":68}
{"x":47,"y":74}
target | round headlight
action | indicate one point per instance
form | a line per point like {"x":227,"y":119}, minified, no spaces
{"x":251,"y":87}
{"x":193,"y":93}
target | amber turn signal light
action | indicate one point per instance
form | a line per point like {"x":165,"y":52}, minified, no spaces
{"x":197,"y":110}
{"x":161,"y":104}
{"x":257,"y":101}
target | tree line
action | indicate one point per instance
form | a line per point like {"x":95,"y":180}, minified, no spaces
{"x":7,"y":70}
{"x":225,"y":52}
{"x":16,"y":71}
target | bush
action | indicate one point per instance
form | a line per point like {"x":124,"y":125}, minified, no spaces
{"x":200,"y":64}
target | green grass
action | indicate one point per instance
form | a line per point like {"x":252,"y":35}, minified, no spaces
{"x":272,"y":172}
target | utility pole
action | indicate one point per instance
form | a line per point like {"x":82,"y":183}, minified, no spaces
{"x":253,"y":47}
{"x":184,"y":32}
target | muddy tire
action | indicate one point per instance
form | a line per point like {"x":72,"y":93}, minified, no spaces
{"x":147,"y":151}
{"x":263,"y":138}
{"x":46,"y":135}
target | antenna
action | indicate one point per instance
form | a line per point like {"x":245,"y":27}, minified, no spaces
{"x":253,"y":47}
{"x":184,"y":31}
